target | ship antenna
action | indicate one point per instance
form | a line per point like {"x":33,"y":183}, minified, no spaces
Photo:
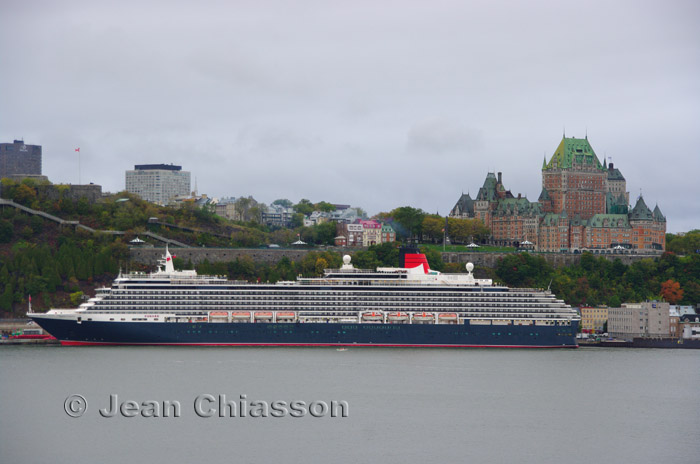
{"x":549,"y":287}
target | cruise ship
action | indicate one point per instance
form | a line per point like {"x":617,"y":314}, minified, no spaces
{"x":408,"y":306}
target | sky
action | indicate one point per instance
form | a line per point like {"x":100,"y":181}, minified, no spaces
{"x":377,"y":104}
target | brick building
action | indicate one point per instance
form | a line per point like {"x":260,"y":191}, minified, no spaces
{"x":583,"y":205}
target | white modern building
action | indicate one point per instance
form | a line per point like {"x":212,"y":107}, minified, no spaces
{"x":158,"y":183}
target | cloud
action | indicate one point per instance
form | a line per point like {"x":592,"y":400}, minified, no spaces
{"x":439,"y":137}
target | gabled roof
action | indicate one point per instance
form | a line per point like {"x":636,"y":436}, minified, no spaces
{"x":641,"y":211}
{"x":521,"y":206}
{"x":615,"y":205}
{"x":609,"y":220}
{"x":465,"y":205}
{"x":657,"y":215}
{"x":552,"y":219}
{"x":573,"y":151}
{"x":488,"y":191}
{"x":614,"y":173}
{"x":544,"y":195}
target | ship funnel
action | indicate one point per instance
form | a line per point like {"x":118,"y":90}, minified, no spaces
{"x":410,"y":257}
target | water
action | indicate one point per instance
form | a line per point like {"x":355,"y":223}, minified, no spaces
{"x":405,"y":406}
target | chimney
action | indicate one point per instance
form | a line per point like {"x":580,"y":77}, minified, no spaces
{"x":610,"y":166}
{"x":499,"y":178}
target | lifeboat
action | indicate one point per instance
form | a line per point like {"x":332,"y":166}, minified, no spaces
{"x":397,"y":318}
{"x":242,"y":316}
{"x":286,"y":317}
{"x":372,"y":317}
{"x":423,"y":318}
{"x":447,"y":318}
{"x":263,"y":316}
{"x":218,"y":316}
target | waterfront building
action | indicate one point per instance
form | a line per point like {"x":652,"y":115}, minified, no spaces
{"x":158,"y":183}
{"x":583,"y":206}
{"x":593,"y":319}
{"x":647,"y":319}
{"x":18,"y":159}
{"x":689,"y":326}
{"x":674,"y":318}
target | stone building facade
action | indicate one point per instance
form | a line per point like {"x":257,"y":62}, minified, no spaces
{"x":19,"y":159}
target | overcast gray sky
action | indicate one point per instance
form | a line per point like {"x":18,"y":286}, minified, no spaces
{"x":377,"y":104}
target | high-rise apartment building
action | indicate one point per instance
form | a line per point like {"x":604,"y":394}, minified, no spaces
{"x":18,"y":158}
{"x":158,"y":183}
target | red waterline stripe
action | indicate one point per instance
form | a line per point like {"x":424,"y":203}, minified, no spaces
{"x":78,"y":343}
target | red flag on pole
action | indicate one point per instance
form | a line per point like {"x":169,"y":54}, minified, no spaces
{"x":78,"y":149}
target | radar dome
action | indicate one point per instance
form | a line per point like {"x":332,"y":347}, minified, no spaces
{"x":346,"y":259}
{"x":470,"y":267}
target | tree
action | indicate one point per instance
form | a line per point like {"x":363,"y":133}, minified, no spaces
{"x":671,"y":291}
{"x":283,"y":202}
{"x":7,"y":231}
{"x":24,"y":195}
{"x":325,"y":207}
{"x":297,"y":220}
{"x":433,"y":227}
{"x":321,"y":264}
{"x":76,"y":298}
{"x":304,"y":207}
{"x":7,"y":297}
{"x":410,"y":219}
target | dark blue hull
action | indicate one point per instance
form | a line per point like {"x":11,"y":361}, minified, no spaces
{"x":309,"y":334}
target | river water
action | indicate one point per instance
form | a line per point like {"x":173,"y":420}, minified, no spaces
{"x":401,"y":405}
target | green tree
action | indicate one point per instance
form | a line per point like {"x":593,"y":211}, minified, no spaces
{"x":24,"y":194}
{"x":304,"y":207}
{"x":76,"y":298}
{"x":324,"y":206}
{"x":433,"y":227}
{"x":7,"y":231}
{"x":410,"y":220}
{"x":7,"y":297}
{"x":283,"y":202}
{"x":324,"y":234}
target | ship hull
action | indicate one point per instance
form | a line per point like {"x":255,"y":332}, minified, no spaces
{"x":70,"y":332}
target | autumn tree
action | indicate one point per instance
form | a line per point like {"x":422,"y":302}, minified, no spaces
{"x":671,"y":291}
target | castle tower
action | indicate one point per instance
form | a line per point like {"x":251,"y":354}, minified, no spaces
{"x":575,"y":180}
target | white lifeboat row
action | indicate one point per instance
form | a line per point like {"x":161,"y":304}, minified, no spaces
{"x":414,"y":318}
{"x":371,"y":317}
{"x":252,"y":316}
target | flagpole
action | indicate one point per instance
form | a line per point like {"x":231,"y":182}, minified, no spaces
{"x":79,"y":179}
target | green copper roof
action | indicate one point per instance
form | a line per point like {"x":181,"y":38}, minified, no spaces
{"x":609,"y":220}
{"x":657,"y":214}
{"x":615,"y":205}
{"x":615,"y":174}
{"x":521,"y":206}
{"x":488,"y":191}
{"x":641,"y":211}
{"x":573,"y":151}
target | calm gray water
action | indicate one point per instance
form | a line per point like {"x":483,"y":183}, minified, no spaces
{"x":405,"y":406}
